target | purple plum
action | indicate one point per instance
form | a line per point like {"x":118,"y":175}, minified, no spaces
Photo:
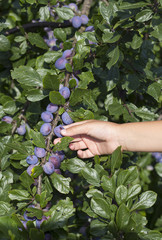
{"x":48,"y":168}
{"x":89,"y":29}
{"x":73,"y":6}
{"x":21,"y":130}
{"x":46,"y":129}
{"x":57,"y":130}
{"x":7,"y":119}
{"x":84,"y":19}
{"x":66,"y":118}
{"x":47,"y":116}
{"x":58,"y":171}
{"x":76,"y":21}
{"x":32,"y":159}
{"x":65,"y":92}
{"x":55,"y":160}
{"x":52,"y":107}
{"x":60,"y":63}
{"x":29,"y":169}
{"x":39,"y":152}
{"x":67,"y":53}
{"x":60,"y":154}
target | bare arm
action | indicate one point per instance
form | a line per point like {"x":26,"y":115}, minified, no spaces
{"x":94,"y":137}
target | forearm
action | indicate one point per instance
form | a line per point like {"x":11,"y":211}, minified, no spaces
{"x":141,"y":136}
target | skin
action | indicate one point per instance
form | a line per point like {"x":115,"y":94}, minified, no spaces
{"x":93,"y":137}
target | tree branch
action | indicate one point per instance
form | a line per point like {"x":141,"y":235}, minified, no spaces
{"x":86,"y":7}
{"x":28,"y":26}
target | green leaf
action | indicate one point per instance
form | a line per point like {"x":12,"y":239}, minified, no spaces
{"x":116,"y":159}
{"x":36,"y":234}
{"x":101,"y":207}
{"x":94,"y":193}
{"x":17,"y":146}
{"x":150,"y":235}
{"x":19,"y":195}
{"x":112,"y":78}
{"x":122,"y":216}
{"x":81,"y":114}
{"x":37,"y":40}
{"x":26,"y":180}
{"x":35,"y":95}
{"x":4,"y":43}
{"x":78,"y":62}
{"x":34,"y":212}
{"x":37,"y":138}
{"x":114,"y":57}
{"x":110,"y":37}
{"x":144,"y":15}
{"x":60,"y":34}
{"x":136,"y":42}
{"x":128,"y":176}
{"x":52,"y":56}
{"x":86,"y":78}
{"x":127,"y":5}
{"x":145,"y":114}
{"x":91,"y":176}
{"x":146,"y":200}
{"x":98,"y":228}
{"x":158,"y":168}
{"x":27,"y":76}
{"x":157,"y":33}
{"x":61,"y":183}
{"x":36,"y":171}
{"x":44,"y":13}
{"x":51,"y":82}
{"x":65,"y":13}
{"x":69,"y":69}
{"x":9,"y":107}
{"x":74,"y":165}
{"x":5,"y":208}
{"x":109,"y":183}
{"x":133,"y":191}
{"x":108,"y":11}
{"x":56,"y":98}
{"x":63,"y":144}
{"x":154,"y":90}
{"x":121,"y":194}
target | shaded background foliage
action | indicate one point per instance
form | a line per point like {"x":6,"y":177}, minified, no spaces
{"x":119,"y":68}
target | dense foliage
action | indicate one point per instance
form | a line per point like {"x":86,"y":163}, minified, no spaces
{"x":66,"y":61}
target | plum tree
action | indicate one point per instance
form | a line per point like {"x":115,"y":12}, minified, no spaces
{"x":66,"y":118}
{"x":47,"y":116}
{"x":109,"y":69}
{"x":39,"y":152}
{"x":65,"y":92}
{"x":48,"y":168}
{"x":32,"y":159}
{"x":46,"y":129}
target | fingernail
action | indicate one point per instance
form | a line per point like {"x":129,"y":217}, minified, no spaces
{"x":63,"y":131}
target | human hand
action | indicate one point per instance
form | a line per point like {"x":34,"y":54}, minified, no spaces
{"x":92,"y":137}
